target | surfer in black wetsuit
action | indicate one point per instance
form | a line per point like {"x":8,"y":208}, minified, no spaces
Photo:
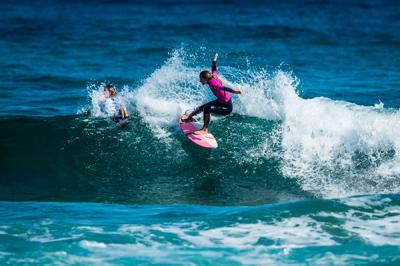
{"x":221,"y":106}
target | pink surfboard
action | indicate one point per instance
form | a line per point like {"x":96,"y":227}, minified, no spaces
{"x":202,"y":140}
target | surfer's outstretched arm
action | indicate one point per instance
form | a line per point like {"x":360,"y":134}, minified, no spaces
{"x":234,"y":91}
{"x":214,"y":64}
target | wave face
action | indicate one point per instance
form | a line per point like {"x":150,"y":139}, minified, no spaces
{"x":286,"y":146}
{"x":361,"y":230}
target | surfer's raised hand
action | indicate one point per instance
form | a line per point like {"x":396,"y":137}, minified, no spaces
{"x":215,"y":57}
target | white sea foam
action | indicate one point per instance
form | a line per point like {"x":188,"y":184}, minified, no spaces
{"x":337,"y":148}
{"x":93,"y":229}
{"x":169,"y":92}
{"x":372,"y":222}
{"x":293,"y":232}
{"x":264,"y":241}
{"x":92,"y":244}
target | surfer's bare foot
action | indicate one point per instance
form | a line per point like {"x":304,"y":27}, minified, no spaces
{"x":201,"y":131}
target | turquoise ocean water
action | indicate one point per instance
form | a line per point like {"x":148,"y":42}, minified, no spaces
{"x":308,"y":166}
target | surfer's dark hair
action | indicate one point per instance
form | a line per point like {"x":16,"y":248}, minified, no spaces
{"x":109,"y":86}
{"x":205,"y":74}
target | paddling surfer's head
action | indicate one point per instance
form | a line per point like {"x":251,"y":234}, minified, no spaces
{"x":109,"y":90}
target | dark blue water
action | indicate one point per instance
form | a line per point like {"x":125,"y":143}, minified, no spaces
{"x":317,"y":124}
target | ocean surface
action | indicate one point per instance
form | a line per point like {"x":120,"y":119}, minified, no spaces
{"x":307,"y":171}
